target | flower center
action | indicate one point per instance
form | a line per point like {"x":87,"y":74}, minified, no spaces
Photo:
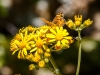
{"x":77,"y":23}
{"x":39,"y":43}
{"x":59,"y":36}
{"x":22,"y":45}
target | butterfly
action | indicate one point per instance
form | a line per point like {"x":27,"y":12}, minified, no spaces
{"x":57,"y":21}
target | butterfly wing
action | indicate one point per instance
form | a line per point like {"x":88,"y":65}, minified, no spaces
{"x":57,"y":21}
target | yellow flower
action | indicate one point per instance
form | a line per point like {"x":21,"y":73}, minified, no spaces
{"x":47,"y":54}
{"x":39,"y":45}
{"x":41,"y":63}
{"x":40,"y":51}
{"x":87,"y":22}
{"x":78,"y":19}
{"x":36,"y":58}
{"x":70,"y":23}
{"x":22,"y":42}
{"x":31,"y":28}
{"x":42,"y":31}
{"x":60,"y":37}
{"x":77,"y":25}
{"x":31,"y":67}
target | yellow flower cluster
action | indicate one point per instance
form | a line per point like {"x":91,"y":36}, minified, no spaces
{"x":77,"y":25}
{"x":36,"y":44}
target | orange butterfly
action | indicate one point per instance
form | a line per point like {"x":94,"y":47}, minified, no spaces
{"x":57,"y":21}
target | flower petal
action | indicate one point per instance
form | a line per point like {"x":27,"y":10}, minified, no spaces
{"x":57,"y":29}
{"x":68,"y":37}
{"x":61,"y":29}
{"x":52,"y":40}
{"x":19,"y":54}
{"x":14,"y":52}
{"x":21,"y":36}
{"x":50,"y":35}
{"x":52,"y":31}
{"x":58,"y":43}
{"x":25,"y":51}
{"x":33,"y":49}
{"x":63,"y":42}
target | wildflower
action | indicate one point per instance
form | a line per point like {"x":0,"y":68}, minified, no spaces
{"x":38,"y":44}
{"x":31,"y":28}
{"x":31,"y":67}
{"x":87,"y":22}
{"x":29,"y":57}
{"x":78,"y":19}
{"x":60,"y":37}
{"x":42,"y":31}
{"x":22,"y":42}
{"x":77,"y":25}
{"x":70,"y":23}
{"x":41,"y":63}
{"x":40,"y":51}
{"x":47,"y":54}
{"x":36,"y":58}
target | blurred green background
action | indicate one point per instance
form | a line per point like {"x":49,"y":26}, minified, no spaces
{"x":15,"y":14}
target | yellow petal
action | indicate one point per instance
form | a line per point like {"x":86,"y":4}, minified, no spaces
{"x":25,"y":32}
{"x":65,"y":33}
{"x":68,"y":37}
{"x":52,"y":40}
{"x":19,"y":55}
{"x":63,"y":42}
{"x":57,"y":29}
{"x":28,"y":47}
{"x":45,"y":47}
{"x":58,"y":43}
{"x":21,"y":35}
{"x":50,"y":35}
{"x":14,"y":52}
{"x":33,"y":49}
{"x":22,"y":54}
{"x":61,"y":28}
{"x":16,"y":42}
{"x":52,"y":31}
{"x":31,"y":42}
{"x":33,"y":45}
{"x":24,"y":51}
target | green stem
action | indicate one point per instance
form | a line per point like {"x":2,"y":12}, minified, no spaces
{"x":57,"y":71}
{"x":79,"y":53}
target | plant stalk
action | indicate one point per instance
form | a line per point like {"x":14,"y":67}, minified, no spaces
{"x":57,"y":71}
{"x":79,"y":53}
